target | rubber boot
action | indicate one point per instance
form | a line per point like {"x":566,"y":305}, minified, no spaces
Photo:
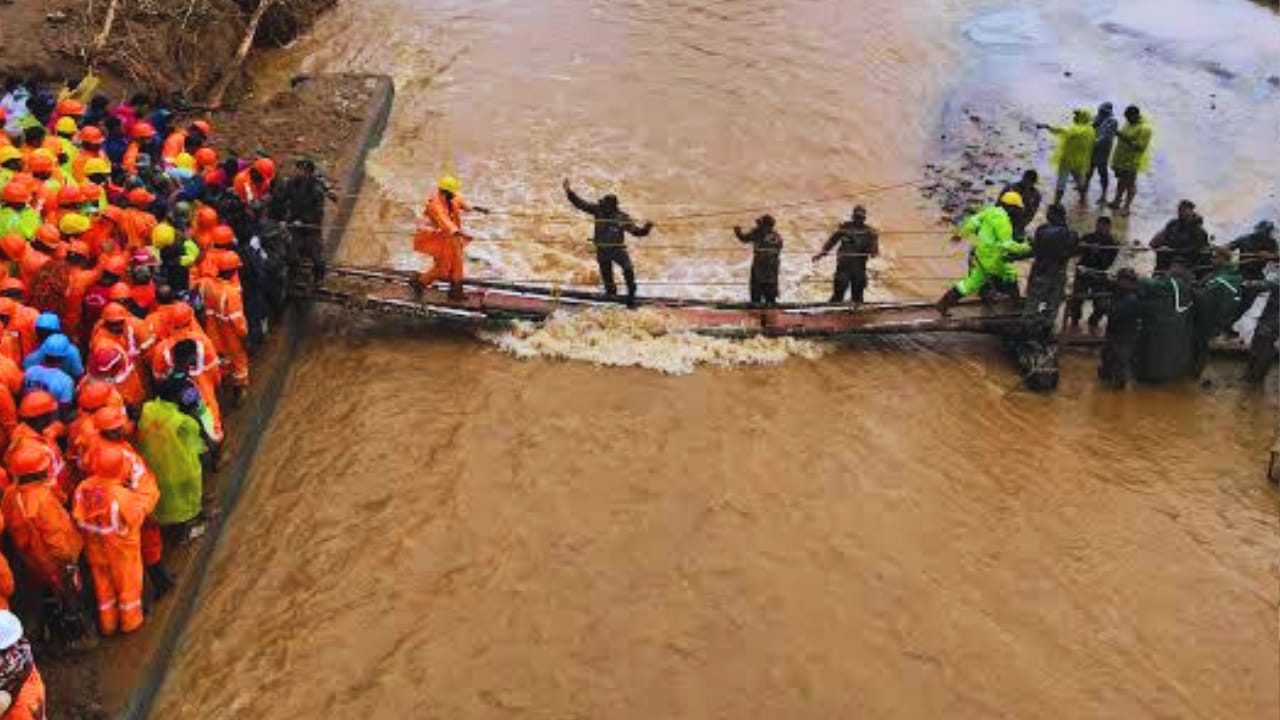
{"x":161,"y":581}
{"x":948,"y":301}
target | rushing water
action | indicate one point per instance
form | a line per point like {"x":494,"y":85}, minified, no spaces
{"x":435,"y":529}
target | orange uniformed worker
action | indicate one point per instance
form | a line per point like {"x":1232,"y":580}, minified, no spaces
{"x":441,"y":236}
{"x":6,"y":575}
{"x":224,"y":318}
{"x":40,"y":527}
{"x":111,"y":517}
{"x":40,"y":429}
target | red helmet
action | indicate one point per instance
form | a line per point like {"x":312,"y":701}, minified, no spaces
{"x":105,"y":359}
{"x":108,"y":460}
{"x":41,"y":163}
{"x":206,"y":217}
{"x":48,"y":234}
{"x":13,"y":246}
{"x":37,"y":403}
{"x":78,"y":247}
{"x":266,"y":167}
{"x":227,"y":260}
{"x":13,"y":286}
{"x":29,"y":459}
{"x":114,"y":312}
{"x":203,"y":126}
{"x":18,"y":193}
{"x":68,"y":196}
{"x":109,"y":418}
{"x":223,"y":237}
{"x":180,"y":315}
{"x":206,"y":157}
{"x":143,"y":130}
{"x":92,"y":135}
{"x":140,"y":198}
{"x":93,"y":395}
{"x":70,"y":106}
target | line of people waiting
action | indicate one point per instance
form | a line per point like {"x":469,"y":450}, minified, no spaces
{"x":139,"y":267}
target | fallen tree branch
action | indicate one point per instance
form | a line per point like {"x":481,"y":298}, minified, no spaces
{"x":242,"y":52}
{"x":100,"y":40}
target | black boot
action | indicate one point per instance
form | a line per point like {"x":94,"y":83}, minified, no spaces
{"x":948,"y":301}
{"x":161,"y":581}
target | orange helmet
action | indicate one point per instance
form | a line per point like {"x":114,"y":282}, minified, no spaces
{"x":140,"y":198}
{"x":223,"y":237}
{"x":180,"y":315}
{"x":41,"y":163}
{"x":206,"y":157}
{"x":108,"y":460}
{"x":143,"y":130}
{"x":37,"y":403}
{"x":206,"y":217}
{"x":17,"y":193}
{"x":13,"y":285}
{"x":109,"y":418}
{"x":48,"y":234}
{"x":114,"y":312}
{"x":227,"y":260}
{"x":203,"y":126}
{"x":93,"y":395}
{"x":13,"y":246}
{"x":116,"y":265}
{"x":266,"y":167}
{"x":29,"y":459}
{"x":105,"y":359}
{"x":89,"y":192}
{"x":68,"y":196}
{"x":7,"y":307}
{"x":70,"y":106}
{"x":78,"y":247}
{"x":119,"y":292}
{"x":92,"y":135}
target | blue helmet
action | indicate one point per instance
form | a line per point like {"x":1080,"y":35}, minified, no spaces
{"x":57,"y":346}
{"x":48,"y":322}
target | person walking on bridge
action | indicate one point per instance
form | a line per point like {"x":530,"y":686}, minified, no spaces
{"x":766,"y":254}
{"x":441,"y":236}
{"x":991,"y":233}
{"x":610,"y":237}
{"x":858,"y":243}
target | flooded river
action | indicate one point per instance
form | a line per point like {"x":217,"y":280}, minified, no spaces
{"x":877,"y":529}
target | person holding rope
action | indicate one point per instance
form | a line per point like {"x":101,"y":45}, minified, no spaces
{"x":441,"y":236}
{"x":858,"y":242}
{"x":992,"y":235}
{"x":766,"y":252}
{"x":610,"y":237}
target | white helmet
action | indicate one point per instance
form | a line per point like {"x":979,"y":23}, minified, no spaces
{"x":10,"y":629}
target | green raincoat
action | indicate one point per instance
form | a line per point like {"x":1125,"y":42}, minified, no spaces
{"x":1133,"y":147}
{"x":24,"y":222}
{"x":1075,"y":144}
{"x":171,"y":443}
{"x":991,"y":232}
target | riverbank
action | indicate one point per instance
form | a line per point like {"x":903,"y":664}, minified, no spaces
{"x":120,"y":675}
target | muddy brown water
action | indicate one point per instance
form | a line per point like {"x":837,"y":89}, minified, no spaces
{"x":435,"y":529}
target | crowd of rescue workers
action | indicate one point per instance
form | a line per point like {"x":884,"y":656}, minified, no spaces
{"x":139,"y":269}
{"x":1158,"y":328}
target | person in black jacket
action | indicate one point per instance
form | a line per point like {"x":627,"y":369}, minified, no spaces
{"x":1184,"y":239}
{"x":610,"y":237}
{"x":1051,"y":249}
{"x":766,"y":257}
{"x":859,"y":242}
{"x":1098,"y":252}
{"x":1123,"y":321}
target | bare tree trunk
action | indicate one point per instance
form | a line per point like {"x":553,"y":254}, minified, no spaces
{"x":242,"y":52}
{"x":100,"y":40}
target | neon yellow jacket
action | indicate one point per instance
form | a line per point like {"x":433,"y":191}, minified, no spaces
{"x":990,"y":230}
{"x":171,"y":443}
{"x":24,"y":222}
{"x":1075,"y":146}
{"x":1133,"y":147}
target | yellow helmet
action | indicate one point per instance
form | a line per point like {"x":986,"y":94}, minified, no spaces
{"x":162,"y":236}
{"x":97,"y":166}
{"x":186,"y":161}
{"x":450,"y":184}
{"x":9,"y":153}
{"x":66,"y":125}
{"x":1012,"y":199}
{"x":73,"y":224}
